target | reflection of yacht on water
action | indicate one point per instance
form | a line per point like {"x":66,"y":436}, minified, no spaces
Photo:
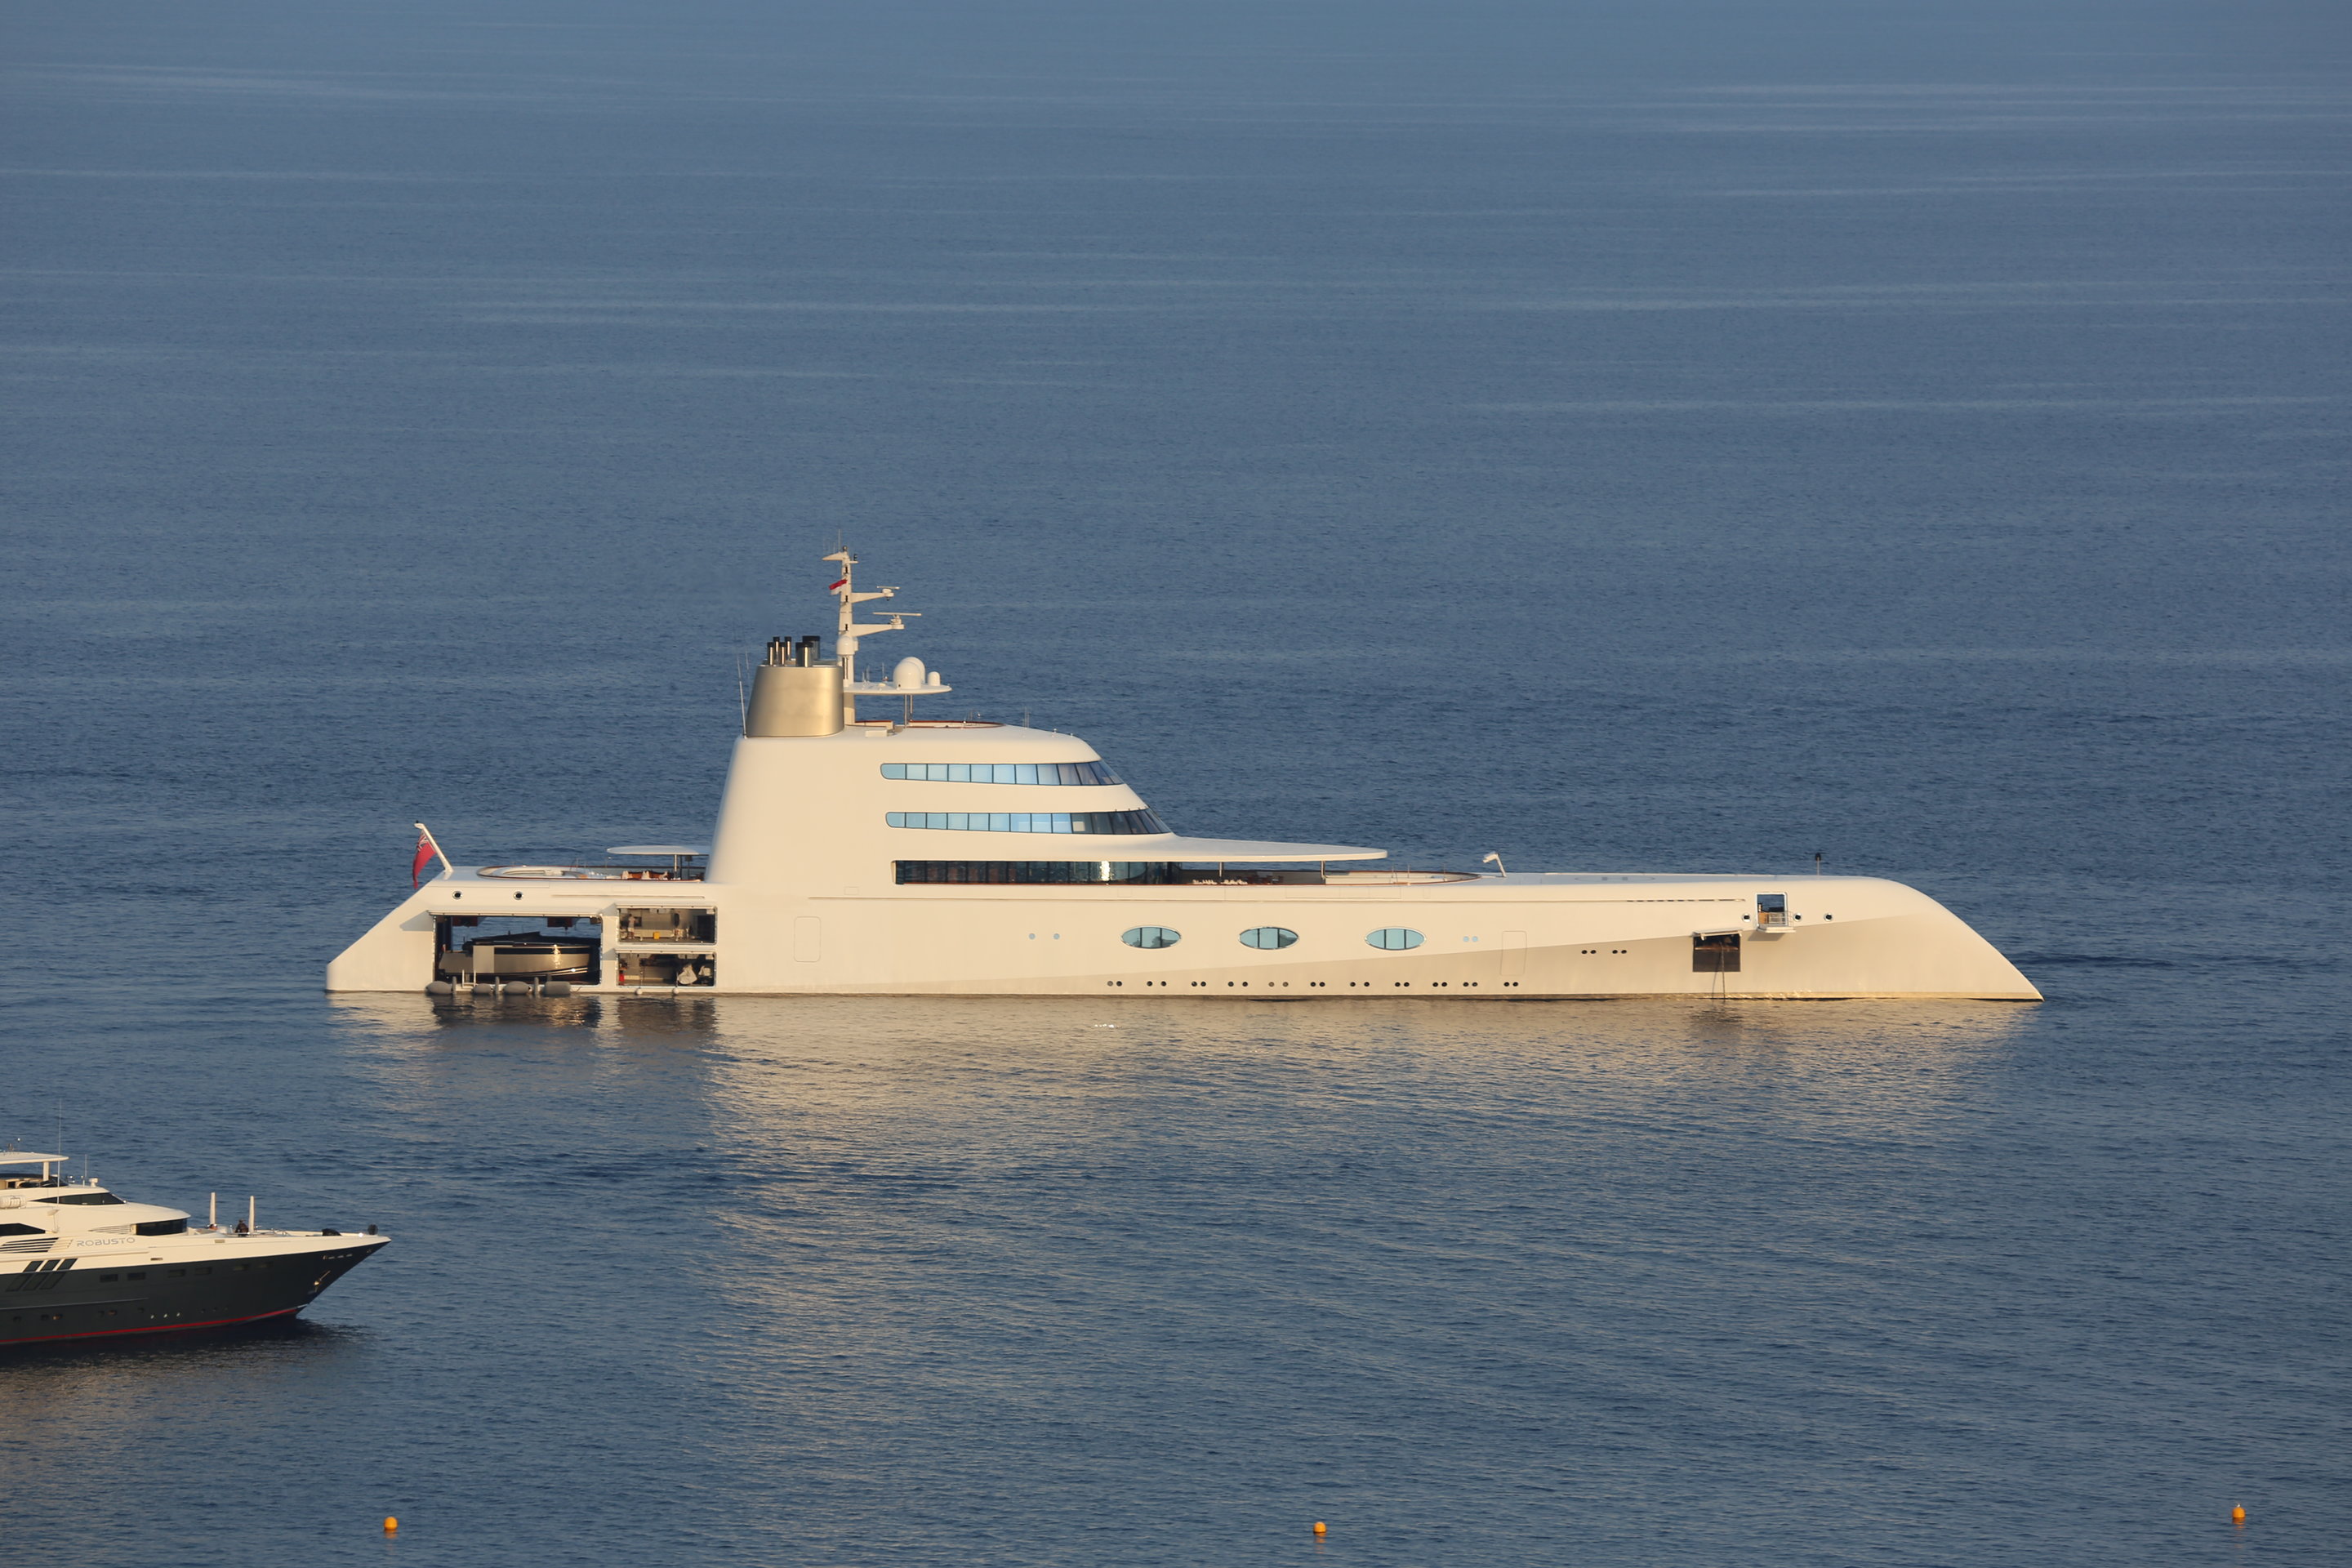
{"x":896,"y":855}
{"x":77,"y":1262}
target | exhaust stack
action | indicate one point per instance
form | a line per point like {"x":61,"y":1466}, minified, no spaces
{"x":794,"y":693}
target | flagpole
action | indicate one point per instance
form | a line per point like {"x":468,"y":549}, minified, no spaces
{"x":436,"y":843}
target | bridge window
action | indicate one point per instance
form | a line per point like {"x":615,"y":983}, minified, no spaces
{"x":1003,"y":773}
{"x":1130,"y":822}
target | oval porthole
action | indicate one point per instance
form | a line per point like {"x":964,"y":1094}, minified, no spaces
{"x":1394,"y":938}
{"x":1151,"y":936}
{"x":1268,"y":936}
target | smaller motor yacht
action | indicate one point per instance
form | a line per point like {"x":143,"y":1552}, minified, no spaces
{"x":77,"y":1262}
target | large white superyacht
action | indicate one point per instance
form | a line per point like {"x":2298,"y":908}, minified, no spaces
{"x":889,"y":854}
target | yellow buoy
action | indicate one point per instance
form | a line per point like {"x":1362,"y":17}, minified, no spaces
{"x":1318,"y":1527}
{"x":390,"y":1524}
{"x":2238,"y":1513}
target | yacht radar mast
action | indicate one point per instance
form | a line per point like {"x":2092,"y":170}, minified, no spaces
{"x":909,"y":680}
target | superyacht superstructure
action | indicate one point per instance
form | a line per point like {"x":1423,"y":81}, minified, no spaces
{"x":886,"y":853}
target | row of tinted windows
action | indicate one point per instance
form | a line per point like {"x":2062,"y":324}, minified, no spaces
{"x":1003,"y":773}
{"x":1390,"y":939}
{"x":1030,"y":821}
{"x":1038,"y":871}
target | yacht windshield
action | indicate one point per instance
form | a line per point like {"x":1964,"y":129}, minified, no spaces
{"x":80,"y":1198}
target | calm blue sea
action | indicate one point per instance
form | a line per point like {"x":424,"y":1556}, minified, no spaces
{"x":1678,"y":436}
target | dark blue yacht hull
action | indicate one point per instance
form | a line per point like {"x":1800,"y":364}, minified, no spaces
{"x":49,"y":1301}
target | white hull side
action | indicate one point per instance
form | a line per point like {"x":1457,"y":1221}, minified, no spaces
{"x":1492,"y":938}
{"x":393,"y":955}
{"x":1519,"y":937}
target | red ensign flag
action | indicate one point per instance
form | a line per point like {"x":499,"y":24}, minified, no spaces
{"x":424,"y":858}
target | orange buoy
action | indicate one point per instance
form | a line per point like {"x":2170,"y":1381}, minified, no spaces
{"x":390,"y":1524}
{"x":2238,"y":1513}
{"x":1318,"y":1527}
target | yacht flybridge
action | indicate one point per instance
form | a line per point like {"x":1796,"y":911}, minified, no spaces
{"x":889,"y":854}
{"x":77,"y":1262}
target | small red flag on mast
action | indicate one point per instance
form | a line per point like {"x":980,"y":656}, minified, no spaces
{"x":425,"y":850}
{"x":836,"y":584}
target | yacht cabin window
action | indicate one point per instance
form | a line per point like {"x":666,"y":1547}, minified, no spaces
{"x":1039,"y":871}
{"x":1030,"y":821}
{"x":1003,"y":773}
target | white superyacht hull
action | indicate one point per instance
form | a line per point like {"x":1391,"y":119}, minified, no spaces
{"x":925,"y":857}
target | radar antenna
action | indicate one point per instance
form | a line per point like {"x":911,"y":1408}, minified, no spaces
{"x":849,"y":631}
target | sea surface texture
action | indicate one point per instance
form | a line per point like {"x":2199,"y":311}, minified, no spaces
{"x":1663,"y":436}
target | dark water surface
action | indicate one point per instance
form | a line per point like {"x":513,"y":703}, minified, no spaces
{"x":1670,"y":437}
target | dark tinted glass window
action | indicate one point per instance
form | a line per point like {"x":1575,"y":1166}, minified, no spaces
{"x":1717,"y":954}
{"x":80,"y":1198}
{"x":161,"y":1226}
{"x":1038,"y":871}
{"x":13,"y":1229}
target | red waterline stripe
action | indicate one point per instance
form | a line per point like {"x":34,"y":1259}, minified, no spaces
{"x":158,"y":1329}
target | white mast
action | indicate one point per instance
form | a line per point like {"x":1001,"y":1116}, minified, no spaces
{"x":848,"y":631}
